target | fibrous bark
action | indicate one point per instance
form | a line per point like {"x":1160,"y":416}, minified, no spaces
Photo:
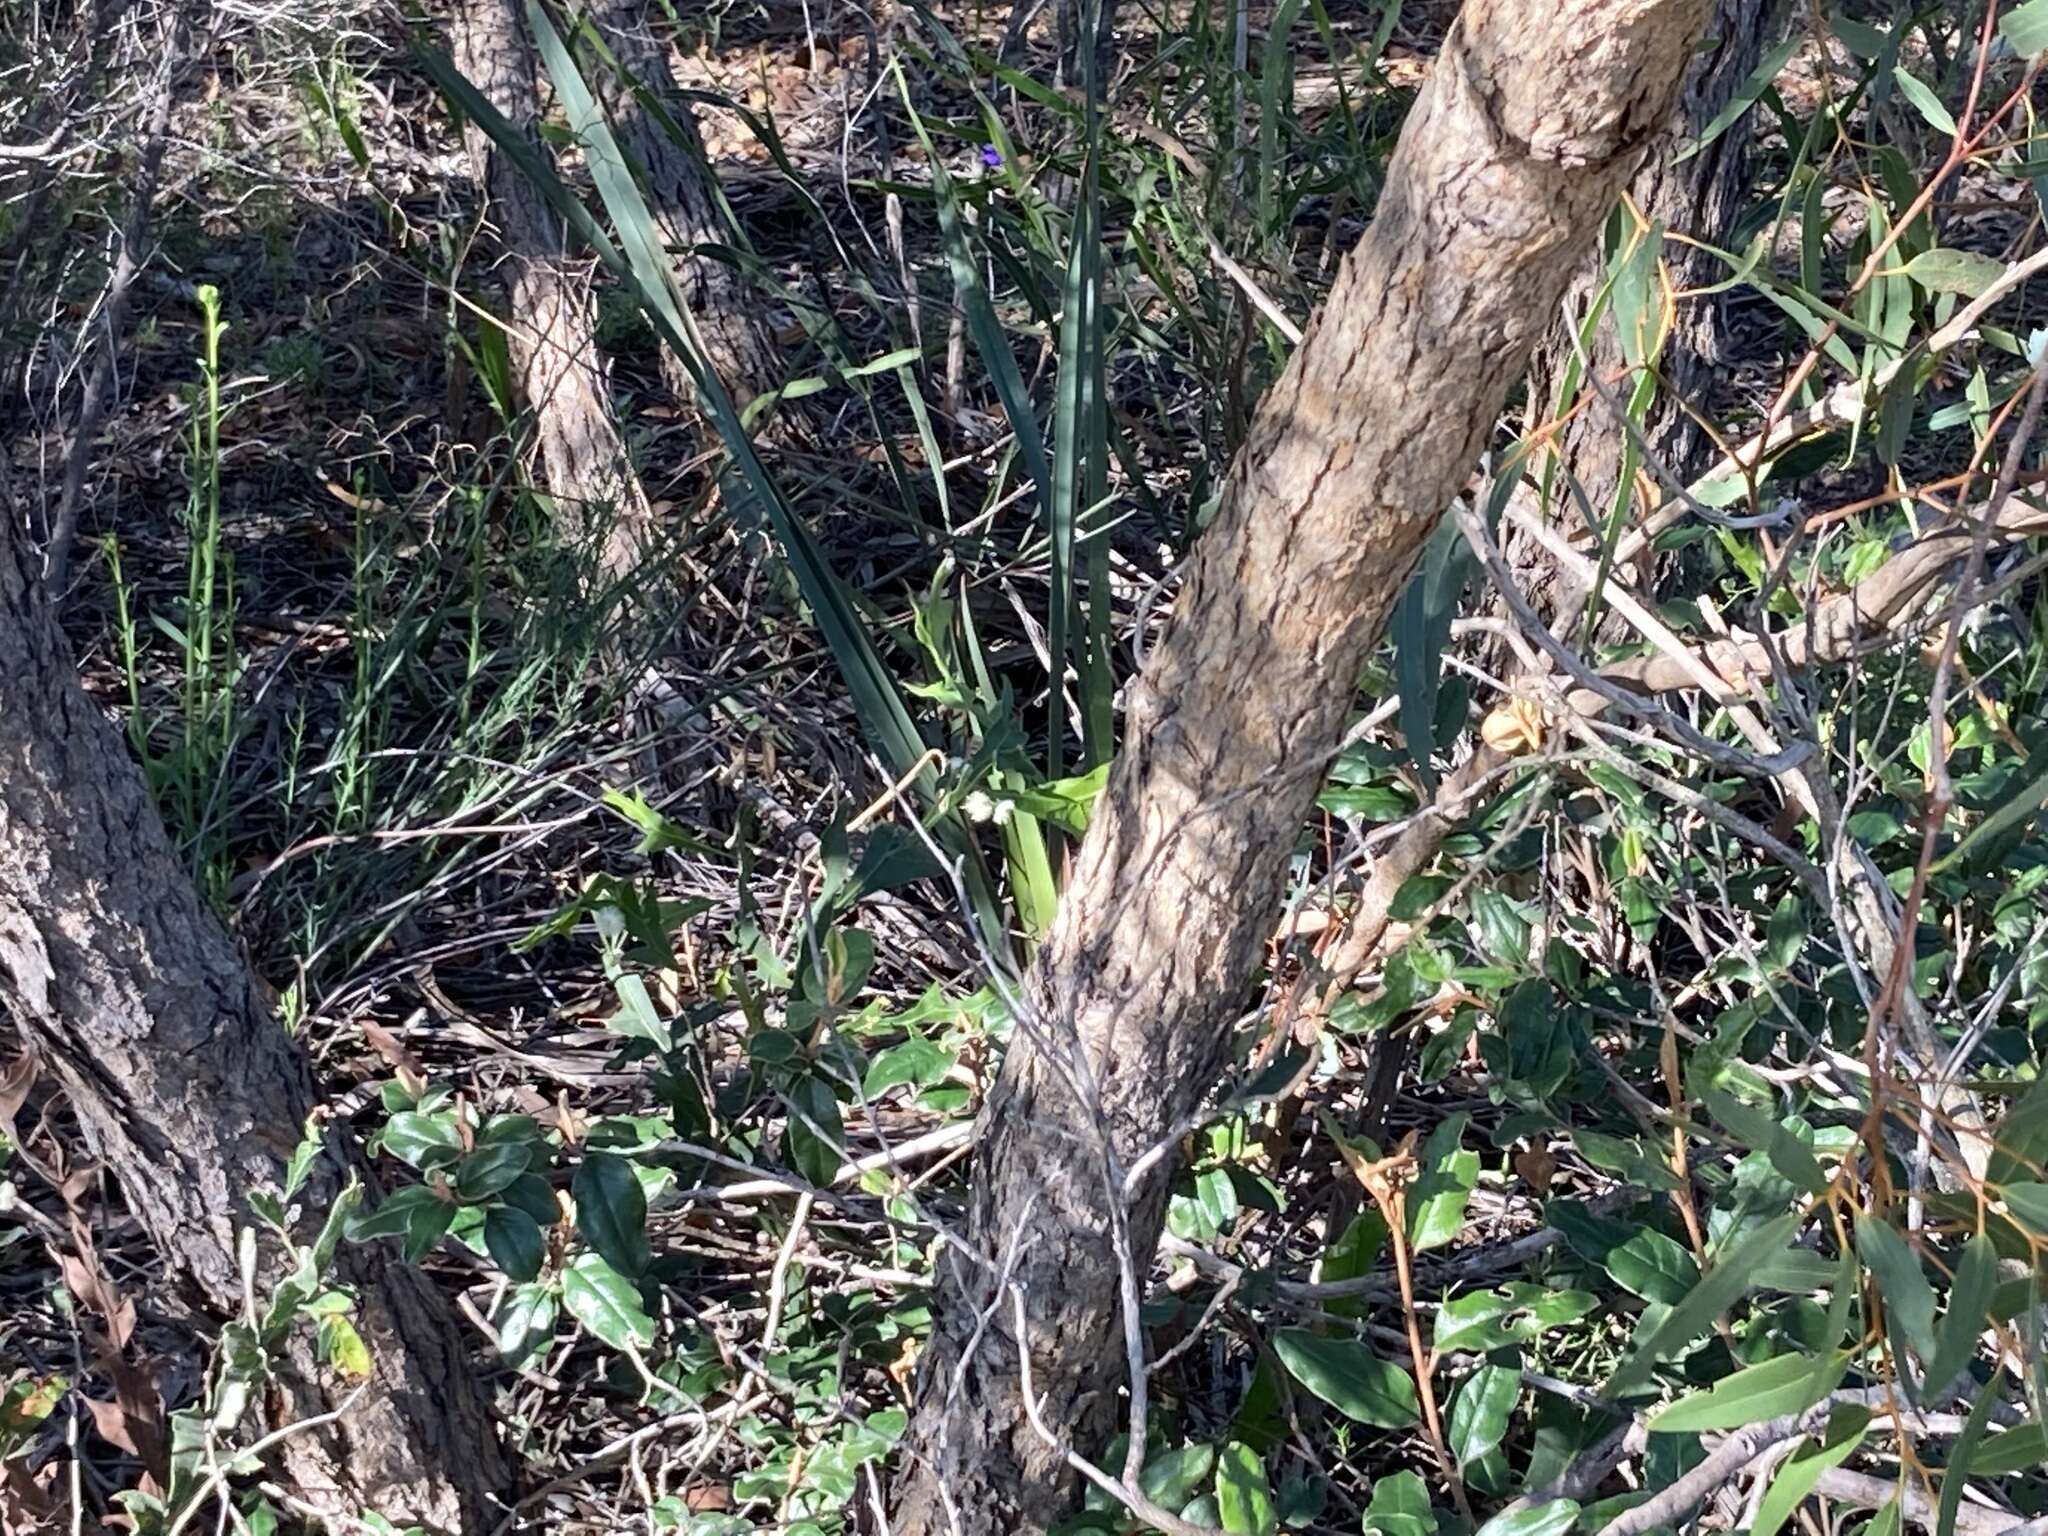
{"x":190,"y":1092}
{"x":737,"y":343}
{"x":1530,"y":124}
{"x":1697,"y":196}
{"x":552,"y":330}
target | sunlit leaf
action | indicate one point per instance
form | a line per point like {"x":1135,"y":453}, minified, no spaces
{"x":1349,"y":1377}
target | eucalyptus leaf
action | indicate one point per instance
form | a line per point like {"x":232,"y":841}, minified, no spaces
{"x":1788,"y":1384}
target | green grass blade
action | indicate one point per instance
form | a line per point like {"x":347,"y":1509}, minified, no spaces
{"x":644,"y":271}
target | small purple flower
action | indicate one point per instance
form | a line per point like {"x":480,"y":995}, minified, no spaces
{"x":991,"y":157}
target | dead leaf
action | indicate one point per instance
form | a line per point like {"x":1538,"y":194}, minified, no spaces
{"x":1515,"y":727}
{"x":1536,"y":1167}
{"x":412,"y":1076}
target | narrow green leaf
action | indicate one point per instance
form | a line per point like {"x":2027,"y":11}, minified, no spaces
{"x":647,"y":278}
{"x":2015,"y":1450}
{"x":1963,"y":1325}
{"x":1924,"y":101}
{"x":1908,"y":1298}
{"x":1745,"y":97}
{"x":1803,"y":1469}
{"x":2022,"y":1143}
{"x":1788,"y":1384}
{"x":2026,"y":1201}
{"x":1420,"y":626}
{"x":1717,"y":1290}
{"x":2026,"y":28}
{"x":1964,"y":1451}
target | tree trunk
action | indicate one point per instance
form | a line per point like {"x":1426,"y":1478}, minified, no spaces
{"x":1699,"y":196}
{"x":189,"y":1091}
{"x":1529,"y":125}
{"x":736,"y":339}
{"x":552,"y":328}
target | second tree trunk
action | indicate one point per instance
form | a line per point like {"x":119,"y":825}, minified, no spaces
{"x":1528,"y":127}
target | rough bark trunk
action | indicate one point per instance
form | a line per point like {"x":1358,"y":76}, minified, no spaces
{"x":1528,"y":127}
{"x":552,"y":328}
{"x":191,"y":1093}
{"x":735,"y":335}
{"x":1700,"y":197}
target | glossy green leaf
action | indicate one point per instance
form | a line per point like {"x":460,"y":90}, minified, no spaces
{"x":606,"y":1302}
{"x":1653,"y":1266}
{"x":1481,"y":1409}
{"x":514,"y":1241}
{"x":1349,"y":1377}
{"x":1552,"y":1519}
{"x":917,"y":1062}
{"x":423,"y":1140}
{"x":342,"y":1348}
{"x":812,"y":1138}
{"x":1173,"y":1477}
{"x":611,"y":1210}
{"x":526,"y":1322}
{"x":1244,"y":1499}
{"x":1626,"y":1158}
{"x":491,"y":1169}
{"x":416,"y":1214}
{"x":1443,"y":1186}
{"x":1399,"y":1507}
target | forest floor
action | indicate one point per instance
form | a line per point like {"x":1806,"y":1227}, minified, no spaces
{"x":384,"y":715}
